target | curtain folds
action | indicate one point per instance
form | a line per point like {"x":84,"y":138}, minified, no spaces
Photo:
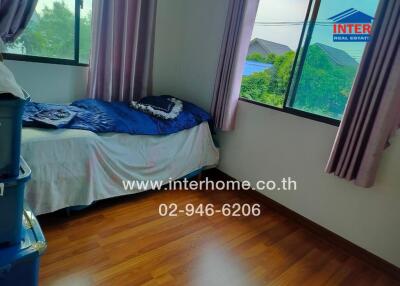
{"x":373,"y":112}
{"x":122,"y":49}
{"x":14,"y":17}
{"x":238,"y":29}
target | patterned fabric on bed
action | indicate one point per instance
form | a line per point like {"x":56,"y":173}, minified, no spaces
{"x":114,"y":117}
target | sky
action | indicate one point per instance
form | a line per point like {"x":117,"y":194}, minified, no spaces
{"x":87,"y":5}
{"x":280,"y":11}
{"x":295,"y":11}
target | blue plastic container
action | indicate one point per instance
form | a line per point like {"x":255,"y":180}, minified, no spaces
{"x":12,"y":206}
{"x":11,"y":112}
{"x":19,"y":264}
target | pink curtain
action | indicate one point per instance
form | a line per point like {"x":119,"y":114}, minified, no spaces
{"x":14,"y":17}
{"x":373,"y":111}
{"x":238,"y":29}
{"x":122,"y":49}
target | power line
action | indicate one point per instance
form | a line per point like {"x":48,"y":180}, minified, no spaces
{"x":292,"y":23}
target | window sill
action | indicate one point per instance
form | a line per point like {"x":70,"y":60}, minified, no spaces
{"x":296,"y":112}
{"x":44,"y":60}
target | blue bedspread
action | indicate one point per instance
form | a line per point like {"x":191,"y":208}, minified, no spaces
{"x":104,"y":117}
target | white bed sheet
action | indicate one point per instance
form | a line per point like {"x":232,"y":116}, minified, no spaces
{"x":77,"y":167}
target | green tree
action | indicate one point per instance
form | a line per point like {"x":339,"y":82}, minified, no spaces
{"x":323,"y":88}
{"x":324,"y":85}
{"x":269,"y":86}
{"x":85,"y":38}
{"x":51,"y":33}
{"x":281,"y":73}
{"x":257,"y":57}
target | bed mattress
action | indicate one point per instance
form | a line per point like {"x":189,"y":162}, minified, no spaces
{"x":77,"y":167}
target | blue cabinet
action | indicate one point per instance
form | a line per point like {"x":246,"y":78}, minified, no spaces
{"x":19,"y":264}
{"x":11,"y":111}
{"x":11,"y":206}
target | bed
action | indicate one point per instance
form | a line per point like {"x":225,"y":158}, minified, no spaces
{"x":73,"y":167}
{"x":78,"y":167}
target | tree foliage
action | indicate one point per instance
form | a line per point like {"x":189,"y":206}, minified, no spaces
{"x":85,"y":38}
{"x":323,"y":87}
{"x":269,"y":86}
{"x":257,"y":57}
{"x":51,"y":33}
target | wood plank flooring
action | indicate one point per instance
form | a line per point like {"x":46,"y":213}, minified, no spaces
{"x":126,"y":242}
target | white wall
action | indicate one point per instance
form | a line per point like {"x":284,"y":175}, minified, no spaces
{"x":188,"y":38}
{"x":268,"y":144}
{"x":168,"y":45}
{"x":49,"y":82}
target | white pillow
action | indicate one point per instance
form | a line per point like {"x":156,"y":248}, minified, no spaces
{"x":8,"y":84}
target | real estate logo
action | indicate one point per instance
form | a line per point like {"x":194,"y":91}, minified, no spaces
{"x":352,"y":26}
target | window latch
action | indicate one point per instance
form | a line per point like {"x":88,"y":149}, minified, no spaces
{"x":1,"y":189}
{"x":81,"y":3}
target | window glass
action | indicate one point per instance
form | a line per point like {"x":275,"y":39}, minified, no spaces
{"x":271,"y":54}
{"x":324,"y":79}
{"x":85,"y":31}
{"x":50,"y":33}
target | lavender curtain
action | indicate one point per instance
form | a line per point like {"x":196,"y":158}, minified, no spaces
{"x":122,"y":49}
{"x":238,"y":28}
{"x":14,"y":17}
{"x":373,"y":111}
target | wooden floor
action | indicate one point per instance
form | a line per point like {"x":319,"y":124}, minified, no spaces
{"x":126,"y":242}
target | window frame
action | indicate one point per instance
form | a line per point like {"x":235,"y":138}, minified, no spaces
{"x":306,"y":34}
{"x":59,"y":61}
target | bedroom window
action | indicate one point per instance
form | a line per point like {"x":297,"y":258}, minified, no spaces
{"x":272,"y":50}
{"x":59,"y":32}
{"x":317,"y":80}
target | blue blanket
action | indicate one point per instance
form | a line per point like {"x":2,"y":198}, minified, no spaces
{"x":117,"y":117}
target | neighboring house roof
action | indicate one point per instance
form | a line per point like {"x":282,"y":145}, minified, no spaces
{"x":251,"y":67}
{"x":340,"y":57}
{"x":271,"y":47}
{"x":352,"y":16}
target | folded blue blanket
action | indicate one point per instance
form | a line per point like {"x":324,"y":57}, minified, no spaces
{"x":113,"y":117}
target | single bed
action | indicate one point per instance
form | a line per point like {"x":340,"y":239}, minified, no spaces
{"x":73,"y":167}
